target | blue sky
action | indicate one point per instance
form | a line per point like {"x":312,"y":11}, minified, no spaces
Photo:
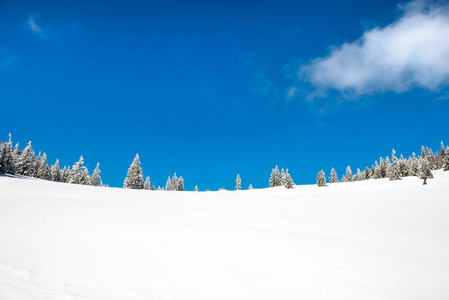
{"x":212,"y":89}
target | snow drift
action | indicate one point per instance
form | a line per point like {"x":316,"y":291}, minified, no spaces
{"x":373,"y":239}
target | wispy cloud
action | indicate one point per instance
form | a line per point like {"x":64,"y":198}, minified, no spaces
{"x":411,"y":52}
{"x":32,"y":25}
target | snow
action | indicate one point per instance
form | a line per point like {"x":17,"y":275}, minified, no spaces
{"x":374,"y":239}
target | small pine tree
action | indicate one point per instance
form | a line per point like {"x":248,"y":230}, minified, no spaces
{"x":348,"y":174}
{"x":174,"y":183}
{"x":25,"y":162}
{"x":159,"y":188}
{"x":43,"y":171}
{"x":135,"y":175}
{"x":321,"y":179}
{"x":196,"y":188}
{"x":333,"y":178}
{"x":95,"y":180}
{"x":180,"y":186}
{"x":55,"y":172}
{"x":274,"y":178}
{"x":153,"y":187}
{"x":424,"y":169}
{"x":7,"y":164}
{"x":238,"y":182}
{"x":79,"y":173}
{"x":146,"y":184}
{"x":250,"y":187}
{"x":168,"y":186}
{"x":393,"y":171}
{"x":289,"y":183}
{"x":283,"y":177}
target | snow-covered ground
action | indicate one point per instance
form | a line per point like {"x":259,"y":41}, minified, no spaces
{"x":364,"y":240}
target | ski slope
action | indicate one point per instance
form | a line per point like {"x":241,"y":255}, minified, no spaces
{"x":363,"y":240}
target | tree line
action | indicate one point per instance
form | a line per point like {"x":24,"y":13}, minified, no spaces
{"x":395,"y":168}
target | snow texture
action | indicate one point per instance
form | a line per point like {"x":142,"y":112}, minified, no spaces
{"x":375,"y":239}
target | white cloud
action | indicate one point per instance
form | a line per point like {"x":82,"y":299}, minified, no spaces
{"x":412,"y":51}
{"x":34,"y":27}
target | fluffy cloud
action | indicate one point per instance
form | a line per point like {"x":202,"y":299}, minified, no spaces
{"x":412,"y":51}
{"x":34,"y":27}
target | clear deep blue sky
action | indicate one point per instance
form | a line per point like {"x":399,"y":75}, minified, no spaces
{"x":201,"y":88}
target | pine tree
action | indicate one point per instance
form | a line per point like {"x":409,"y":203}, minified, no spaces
{"x":283,"y":177}
{"x":180,"y":184}
{"x":274,"y":178}
{"x":238,"y":182}
{"x":382,"y":168}
{"x":7,"y":164}
{"x":26,"y":161}
{"x":79,"y":173}
{"x":168,"y":186}
{"x":424,"y":169}
{"x":413,"y":165}
{"x":153,"y":187}
{"x":43,"y":171}
{"x":333,"y":178}
{"x":393,"y":171}
{"x":147,"y":184}
{"x":196,"y":188}
{"x":250,"y":187}
{"x":403,"y":170}
{"x":159,"y":188}
{"x":289,"y":184}
{"x":55,"y":172}
{"x":321,"y":179}
{"x":348,"y":174}
{"x":95,"y":180}
{"x":344,"y":179}
{"x":376,"y":171}
{"x":174,"y":183}
{"x":445,"y":163}
{"x":135,"y":175}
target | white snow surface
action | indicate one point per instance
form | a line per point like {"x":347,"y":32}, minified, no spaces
{"x":374,"y":239}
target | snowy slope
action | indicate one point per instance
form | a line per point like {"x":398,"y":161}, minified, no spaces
{"x":364,"y":240}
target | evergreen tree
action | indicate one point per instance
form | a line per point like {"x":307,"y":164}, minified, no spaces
{"x":344,"y":179}
{"x":382,"y":168}
{"x":79,"y":173}
{"x":333,"y":178}
{"x":174,"y":183}
{"x":65,"y":173}
{"x":424,"y":169}
{"x":43,"y":171}
{"x":196,"y":188}
{"x":403,"y":170}
{"x":153,"y":187}
{"x":180,"y":186}
{"x":376,"y":171}
{"x":159,"y":188}
{"x":95,"y":180}
{"x":135,"y":175}
{"x":238,"y":183}
{"x":445,"y":160}
{"x":55,"y":172}
{"x":36,"y":164}
{"x":250,"y":187}
{"x":283,"y":177}
{"x":147,"y":184}
{"x":168,"y":186}
{"x":348,"y":174}
{"x":274,"y":178}
{"x":393,"y":171}
{"x":289,"y":184}
{"x":7,"y":164}
{"x":321,"y":179}
{"x":413,"y":166}
{"x":25,"y":162}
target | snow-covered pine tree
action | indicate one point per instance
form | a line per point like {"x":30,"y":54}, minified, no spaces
{"x":196,"y":188}
{"x":65,"y":173}
{"x":180,"y":186}
{"x":168,"y":186}
{"x":413,"y":165}
{"x":55,"y":172}
{"x":159,"y":188}
{"x":147,"y":184}
{"x":358,"y":175}
{"x":289,"y":184}
{"x":274,"y":178}
{"x":250,"y":187}
{"x":95,"y":180}
{"x":383,"y":168}
{"x":348,"y":174}
{"x":393,"y":171}
{"x":7,"y":164}
{"x":135,"y":175}
{"x":283,"y":177}
{"x":376,"y":171}
{"x":43,"y":171}
{"x":238,"y":182}
{"x":321,"y":179}
{"x":424,"y":169}
{"x":367,"y":174}
{"x":343,"y":179}
{"x":403,"y":170}
{"x":445,"y":160}
{"x":79,"y":173}
{"x":333,"y":178}
{"x":153,"y":187}
{"x":26,"y":161}
{"x":174,"y":183}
